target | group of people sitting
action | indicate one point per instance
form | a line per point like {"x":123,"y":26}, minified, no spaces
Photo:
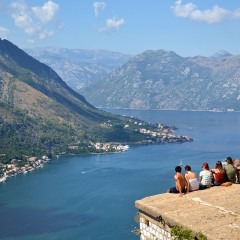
{"x":217,"y":176}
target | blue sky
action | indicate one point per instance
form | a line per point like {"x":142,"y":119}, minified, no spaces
{"x":187,"y":27}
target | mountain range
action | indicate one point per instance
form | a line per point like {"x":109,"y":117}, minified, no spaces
{"x":41,"y":114}
{"x":79,"y":67}
{"x":164,"y":80}
{"x":157,"y":79}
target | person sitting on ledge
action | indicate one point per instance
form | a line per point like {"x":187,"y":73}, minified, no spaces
{"x":231,"y":170}
{"x":191,"y":178}
{"x":205,"y":177}
{"x":219,"y":174}
{"x":180,"y":182}
{"x":237,"y":165}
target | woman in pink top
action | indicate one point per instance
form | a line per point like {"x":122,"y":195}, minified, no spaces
{"x":219,"y":174}
{"x":191,"y":178}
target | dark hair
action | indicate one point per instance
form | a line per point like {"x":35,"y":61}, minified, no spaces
{"x":206,"y":167}
{"x":187,"y":168}
{"x":218,"y":165}
{"x":178,"y":169}
{"x":229,"y":160}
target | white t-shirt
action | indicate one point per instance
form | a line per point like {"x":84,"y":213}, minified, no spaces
{"x":206,"y":178}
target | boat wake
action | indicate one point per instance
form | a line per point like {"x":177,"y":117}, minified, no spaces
{"x":92,"y":170}
{"x":180,"y":163}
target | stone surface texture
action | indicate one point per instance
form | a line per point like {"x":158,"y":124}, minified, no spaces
{"x":215,"y":211}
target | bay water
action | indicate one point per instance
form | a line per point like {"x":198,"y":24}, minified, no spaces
{"x":92,"y":197}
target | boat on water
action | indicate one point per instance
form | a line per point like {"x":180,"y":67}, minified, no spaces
{"x":3,"y":179}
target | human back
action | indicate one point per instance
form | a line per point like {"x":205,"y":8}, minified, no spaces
{"x":219,"y":174}
{"x":205,"y":176}
{"x":191,"y":178}
{"x":231,"y":170}
{"x":180,"y":182}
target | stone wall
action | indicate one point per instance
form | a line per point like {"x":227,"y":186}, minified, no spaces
{"x":209,"y":214}
{"x":151,"y":228}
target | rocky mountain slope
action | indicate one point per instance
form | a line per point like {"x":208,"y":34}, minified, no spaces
{"x":164,"y":80}
{"x":40,"y":114}
{"x":77,"y":67}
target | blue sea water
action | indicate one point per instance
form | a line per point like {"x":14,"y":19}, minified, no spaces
{"x":92,"y":197}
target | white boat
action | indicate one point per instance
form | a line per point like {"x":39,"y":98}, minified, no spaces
{"x":125,"y":147}
{"x":3,"y":179}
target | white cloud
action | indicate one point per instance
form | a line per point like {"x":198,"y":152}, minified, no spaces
{"x":47,"y":12}
{"x":22,"y":17}
{"x":97,"y":7}
{"x":183,"y":10}
{"x":45,"y":34}
{"x":34,"y":21}
{"x":236,"y":13}
{"x":190,"y":10}
{"x":4,"y":32}
{"x":112,"y":24}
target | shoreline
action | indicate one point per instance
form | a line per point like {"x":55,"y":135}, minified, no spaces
{"x":39,"y":163}
{"x":34,"y":163}
{"x":160,"y":135}
{"x":179,"y":110}
{"x":13,"y":170}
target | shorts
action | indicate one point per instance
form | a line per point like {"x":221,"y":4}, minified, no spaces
{"x":174,"y":190}
{"x":202,"y":187}
{"x":216,"y":184}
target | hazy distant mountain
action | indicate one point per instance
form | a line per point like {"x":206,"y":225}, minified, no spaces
{"x":164,"y":80}
{"x":77,"y":67}
{"x":222,"y":53}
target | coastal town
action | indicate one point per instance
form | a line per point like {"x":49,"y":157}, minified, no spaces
{"x":165,"y":136}
{"x":161,"y":134}
{"x":18,"y":166}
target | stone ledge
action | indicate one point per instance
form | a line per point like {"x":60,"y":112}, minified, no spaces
{"x":215,"y":211}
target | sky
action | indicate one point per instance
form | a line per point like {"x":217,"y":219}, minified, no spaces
{"x":187,"y":27}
